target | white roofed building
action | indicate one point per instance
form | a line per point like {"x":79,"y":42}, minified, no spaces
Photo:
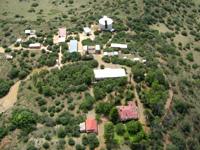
{"x":116,"y":45}
{"x":87,"y":30}
{"x":115,"y":53}
{"x":30,"y":32}
{"x":35,"y":45}
{"x":109,"y":73}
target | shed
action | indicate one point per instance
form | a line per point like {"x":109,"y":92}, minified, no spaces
{"x":109,"y":73}
{"x":115,"y":53}
{"x":30,"y":32}
{"x":73,"y":46}
{"x":105,"y":23}
{"x":82,"y":127}
{"x":87,"y":30}
{"x":35,"y":45}
{"x":62,"y":32}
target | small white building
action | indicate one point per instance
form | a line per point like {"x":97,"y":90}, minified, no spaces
{"x":19,"y":40}
{"x":115,"y":53}
{"x":87,"y":30}
{"x":9,"y":57}
{"x":137,"y":59}
{"x":35,"y":45}
{"x":109,"y":73}
{"x":82,"y":127}
{"x":30,"y":32}
{"x":105,"y":23}
{"x":121,"y":46}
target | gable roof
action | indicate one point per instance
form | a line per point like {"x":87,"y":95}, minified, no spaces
{"x":91,"y":125}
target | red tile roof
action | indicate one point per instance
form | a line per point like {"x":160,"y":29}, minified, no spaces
{"x":128,"y":112}
{"x":91,"y":125}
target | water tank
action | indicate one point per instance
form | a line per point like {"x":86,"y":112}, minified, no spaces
{"x":105,"y":23}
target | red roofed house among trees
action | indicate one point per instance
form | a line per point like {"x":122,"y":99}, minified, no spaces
{"x":128,"y":112}
{"x":91,"y":125}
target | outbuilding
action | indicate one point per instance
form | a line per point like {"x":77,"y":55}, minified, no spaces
{"x":105,"y":23}
{"x":30,"y":32}
{"x":35,"y":45}
{"x":73,"y":46}
{"x":87,"y":31}
{"x":109,"y":73}
{"x":62,"y":32}
{"x":115,"y":53}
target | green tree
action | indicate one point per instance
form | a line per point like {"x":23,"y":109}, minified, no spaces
{"x":92,"y":141}
{"x":133,"y":127}
{"x":4,"y":87}
{"x":114,"y":116}
{"x":120,"y":128}
{"x":24,"y":119}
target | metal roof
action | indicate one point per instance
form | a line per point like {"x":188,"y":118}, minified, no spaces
{"x":116,"y":45}
{"x":109,"y":73}
{"x":73,"y":46}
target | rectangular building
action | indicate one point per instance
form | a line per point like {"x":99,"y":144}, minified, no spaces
{"x":62,"y":32}
{"x":116,"y":45}
{"x":109,"y":73}
{"x":73,"y":46}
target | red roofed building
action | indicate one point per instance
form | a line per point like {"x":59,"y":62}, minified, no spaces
{"x":128,"y":112}
{"x":91,"y":125}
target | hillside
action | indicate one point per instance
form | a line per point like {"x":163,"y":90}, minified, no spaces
{"x":46,"y":92}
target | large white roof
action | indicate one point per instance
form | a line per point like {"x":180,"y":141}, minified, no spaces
{"x":116,"y":45}
{"x":109,"y":73}
{"x":104,"y":19}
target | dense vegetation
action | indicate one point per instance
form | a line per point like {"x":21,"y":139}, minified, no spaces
{"x":164,"y":32}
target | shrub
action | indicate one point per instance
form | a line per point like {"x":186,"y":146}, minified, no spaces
{"x":71,"y":142}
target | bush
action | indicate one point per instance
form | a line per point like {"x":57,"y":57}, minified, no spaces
{"x":4,"y":87}
{"x":24,"y":119}
{"x":133,"y":127}
{"x":71,"y":142}
{"x":120,"y":129}
{"x":46,"y":145}
{"x":61,"y":132}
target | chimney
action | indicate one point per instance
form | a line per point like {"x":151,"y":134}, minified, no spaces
{"x":106,"y":24}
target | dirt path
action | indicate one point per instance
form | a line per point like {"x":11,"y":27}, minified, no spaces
{"x":2,"y":50}
{"x":142,"y":117}
{"x":60,"y":55}
{"x":9,"y":100}
{"x":169,"y":100}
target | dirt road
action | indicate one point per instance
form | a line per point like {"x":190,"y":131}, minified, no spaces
{"x":9,"y":100}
